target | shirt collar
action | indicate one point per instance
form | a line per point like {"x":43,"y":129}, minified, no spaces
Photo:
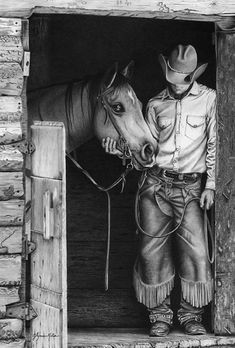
{"x":194,"y":91}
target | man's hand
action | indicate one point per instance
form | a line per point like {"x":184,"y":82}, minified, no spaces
{"x":207,"y":198}
{"x":110,"y":146}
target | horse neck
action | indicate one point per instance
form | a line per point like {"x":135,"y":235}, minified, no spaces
{"x":82,"y":112}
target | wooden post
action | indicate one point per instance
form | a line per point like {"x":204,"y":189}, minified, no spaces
{"x":224,"y":314}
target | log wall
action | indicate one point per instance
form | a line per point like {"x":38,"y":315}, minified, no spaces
{"x":12,"y":109}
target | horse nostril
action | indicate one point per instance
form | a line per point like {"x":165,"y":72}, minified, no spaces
{"x":147,"y":151}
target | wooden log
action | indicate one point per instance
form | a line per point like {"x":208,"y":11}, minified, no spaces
{"x":11,"y":329}
{"x":11,"y":185}
{"x":11,"y":159}
{"x":10,"y":132}
{"x":11,"y":79}
{"x":10,"y":26}
{"x":10,"y":271}
{"x":11,"y":239}
{"x":9,"y":295}
{"x":10,"y":105}
{"x":205,"y":7}
{"x":86,"y":262}
{"x":10,"y":119}
{"x":11,"y":49}
{"x":11,"y":212}
{"x":16,"y":343}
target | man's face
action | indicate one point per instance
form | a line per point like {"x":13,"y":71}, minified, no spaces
{"x":179,"y":89}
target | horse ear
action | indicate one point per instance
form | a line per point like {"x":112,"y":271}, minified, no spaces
{"x":129,"y":70}
{"x":110,"y":75}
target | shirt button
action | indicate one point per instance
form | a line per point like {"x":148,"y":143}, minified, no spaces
{"x":174,"y":161}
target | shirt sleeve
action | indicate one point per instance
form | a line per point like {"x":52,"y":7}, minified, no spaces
{"x":211,"y":143}
{"x":151,"y":121}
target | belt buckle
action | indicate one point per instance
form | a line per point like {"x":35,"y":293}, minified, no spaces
{"x":167,"y":178}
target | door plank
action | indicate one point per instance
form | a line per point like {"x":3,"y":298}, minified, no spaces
{"x":48,"y":262}
{"x":49,"y":160}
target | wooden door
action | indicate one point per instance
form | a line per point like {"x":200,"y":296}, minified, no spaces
{"x":48,"y":263}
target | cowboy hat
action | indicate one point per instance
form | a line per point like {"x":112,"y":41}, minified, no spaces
{"x":181,"y":67}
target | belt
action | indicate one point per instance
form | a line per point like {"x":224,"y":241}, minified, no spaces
{"x":179,"y":176}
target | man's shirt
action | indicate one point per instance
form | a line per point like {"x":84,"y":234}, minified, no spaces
{"x":185,"y":131}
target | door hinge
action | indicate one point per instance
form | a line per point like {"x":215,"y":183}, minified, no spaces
{"x":21,"y":310}
{"x":26,"y":63}
{"x":24,"y":146}
{"x":28,"y":246}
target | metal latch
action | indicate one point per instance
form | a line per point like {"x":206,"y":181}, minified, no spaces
{"x":29,"y":247}
{"x":24,"y":146}
{"x":21,"y":310}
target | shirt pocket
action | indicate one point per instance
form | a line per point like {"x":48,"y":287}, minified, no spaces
{"x":164,"y":122}
{"x":195,"y":126}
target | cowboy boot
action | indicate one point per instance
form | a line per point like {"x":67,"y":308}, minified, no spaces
{"x":161,"y":319}
{"x":190,"y":319}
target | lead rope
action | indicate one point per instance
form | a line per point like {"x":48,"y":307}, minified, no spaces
{"x":122,"y":179}
{"x":206,"y":223}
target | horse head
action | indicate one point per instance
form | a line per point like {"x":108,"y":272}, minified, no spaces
{"x":118,"y":115}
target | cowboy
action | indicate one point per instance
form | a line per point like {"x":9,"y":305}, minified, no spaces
{"x":182,"y":121}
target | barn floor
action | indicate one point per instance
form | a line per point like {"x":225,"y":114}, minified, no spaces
{"x":138,"y":338}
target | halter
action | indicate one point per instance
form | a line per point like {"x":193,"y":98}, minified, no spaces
{"x":123,"y":143}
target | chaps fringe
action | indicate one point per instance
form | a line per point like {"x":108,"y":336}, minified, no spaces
{"x":151,"y":295}
{"x":198,"y":294}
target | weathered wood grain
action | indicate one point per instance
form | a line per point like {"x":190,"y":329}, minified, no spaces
{"x":10,"y":104}
{"x":9,"y":295}
{"x":11,"y":49}
{"x":136,"y":338}
{"x":11,"y":212}
{"x":48,"y":261}
{"x":16,"y":343}
{"x":11,"y":329}
{"x":25,"y":8}
{"x":11,"y":79}
{"x":48,"y":161}
{"x":11,"y":159}
{"x":44,"y":332}
{"x":86,"y":262}
{"x":11,"y":238}
{"x":40,"y":187}
{"x":10,"y":26}
{"x":10,"y":132}
{"x":225,"y":201}
{"x":10,"y":270}
{"x":11,"y":185}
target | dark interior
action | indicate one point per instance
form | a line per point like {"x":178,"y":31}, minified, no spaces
{"x":68,"y":47}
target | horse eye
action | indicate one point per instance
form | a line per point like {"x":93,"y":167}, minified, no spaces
{"x":118,"y":108}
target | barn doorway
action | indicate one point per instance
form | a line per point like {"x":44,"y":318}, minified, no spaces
{"x":69,"y":47}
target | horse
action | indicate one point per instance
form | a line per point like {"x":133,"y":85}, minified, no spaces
{"x":104,"y":106}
